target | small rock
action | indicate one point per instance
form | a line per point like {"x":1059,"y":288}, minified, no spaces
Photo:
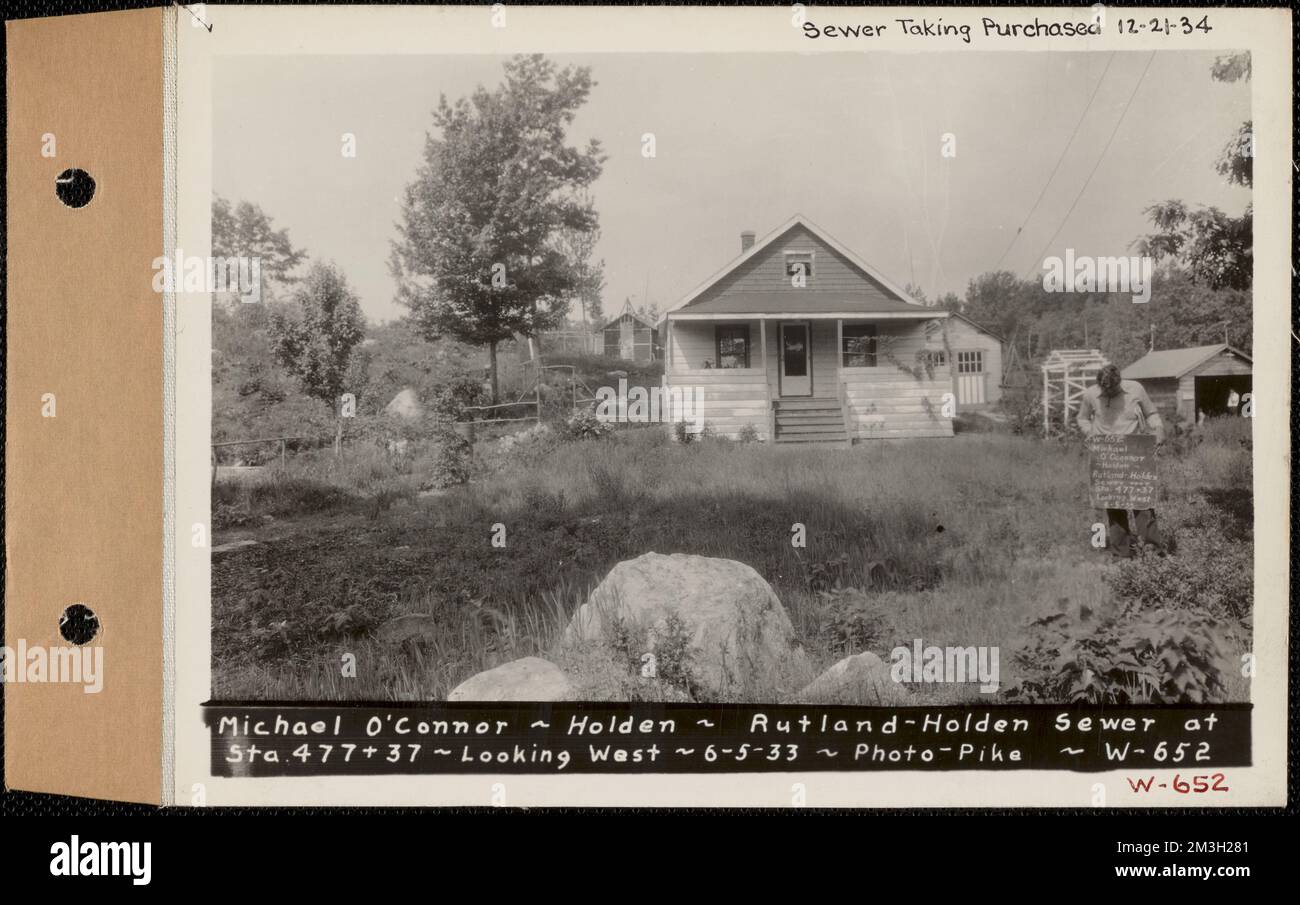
{"x":860,"y":679}
{"x":405,"y":405}
{"x":528,"y":679}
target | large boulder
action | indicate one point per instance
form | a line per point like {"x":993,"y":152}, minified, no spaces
{"x":860,"y":679}
{"x":528,"y":679}
{"x":715,"y":620}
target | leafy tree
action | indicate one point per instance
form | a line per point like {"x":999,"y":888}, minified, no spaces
{"x":1182,"y":312}
{"x":1214,"y":248}
{"x":950,"y":301}
{"x":251,"y":395}
{"x":578,"y":246}
{"x":245,"y":230}
{"x":480,"y":255}
{"x":313,"y":337}
{"x":1000,"y":300}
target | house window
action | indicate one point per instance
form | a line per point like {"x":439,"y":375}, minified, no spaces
{"x":970,"y":362}
{"x":799,"y":268}
{"x":938,"y":358}
{"x":859,"y":345}
{"x":733,"y":346}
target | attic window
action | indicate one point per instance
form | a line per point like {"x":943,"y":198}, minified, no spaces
{"x":799,"y":268}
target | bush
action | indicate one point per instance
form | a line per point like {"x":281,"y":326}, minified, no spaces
{"x":456,"y":395}
{"x":451,"y":464}
{"x":852,"y":621}
{"x":1128,"y":656}
{"x":1209,"y":574}
{"x":1023,"y":408}
{"x":682,"y":433}
{"x":748,"y":434}
{"x":670,"y":646}
{"x":585,"y":425}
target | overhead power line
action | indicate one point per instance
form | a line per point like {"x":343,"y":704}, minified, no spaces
{"x":1128,"y":103}
{"x":1059,"y":160}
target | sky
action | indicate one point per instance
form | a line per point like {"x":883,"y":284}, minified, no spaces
{"x":853,"y":141}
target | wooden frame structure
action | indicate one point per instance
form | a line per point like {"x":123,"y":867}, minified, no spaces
{"x":1066,"y":374}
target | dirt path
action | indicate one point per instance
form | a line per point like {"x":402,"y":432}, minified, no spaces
{"x":280,"y":528}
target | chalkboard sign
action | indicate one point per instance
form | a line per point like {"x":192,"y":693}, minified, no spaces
{"x":1122,"y":471}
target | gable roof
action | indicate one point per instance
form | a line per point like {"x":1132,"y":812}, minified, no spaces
{"x":618,"y":317}
{"x":626,"y":312}
{"x":1176,"y":362}
{"x":908,"y":303}
{"x":978,"y":326}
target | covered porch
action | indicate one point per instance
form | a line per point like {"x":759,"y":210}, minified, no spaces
{"x":814,"y":376}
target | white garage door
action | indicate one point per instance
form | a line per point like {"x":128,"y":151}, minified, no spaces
{"x":970,"y":378}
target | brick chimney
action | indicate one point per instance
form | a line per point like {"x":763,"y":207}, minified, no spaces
{"x":746,"y":240}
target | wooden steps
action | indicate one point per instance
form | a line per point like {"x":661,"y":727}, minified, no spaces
{"x":810,"y":419}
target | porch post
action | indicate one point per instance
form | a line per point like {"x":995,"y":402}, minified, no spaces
{"x":668,"y":346}
{"x":839,"y":353}
{"x":767,"y":383}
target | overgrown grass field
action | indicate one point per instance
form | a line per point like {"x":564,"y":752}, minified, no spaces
{"x":983,"y":539}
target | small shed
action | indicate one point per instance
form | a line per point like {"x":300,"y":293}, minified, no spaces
{"x":628,"y":336}
{"x":1183,"y":382}
{"x":976,"y":365}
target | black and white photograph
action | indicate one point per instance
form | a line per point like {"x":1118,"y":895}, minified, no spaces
{"x":643,"y":410}
{"x":454,"y":411}
{"x":873,"y":379}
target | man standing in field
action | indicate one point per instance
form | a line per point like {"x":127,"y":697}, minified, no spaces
{"x":1116,"y":407}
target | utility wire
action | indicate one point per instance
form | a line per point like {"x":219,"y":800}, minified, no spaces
{"x":1059,"y":160}
{"x":1128,"y":103}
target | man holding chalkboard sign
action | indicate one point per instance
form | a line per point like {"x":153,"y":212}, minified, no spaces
{"x":1118,"y":418}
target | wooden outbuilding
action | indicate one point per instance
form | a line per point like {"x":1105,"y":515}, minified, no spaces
{"x":1184,"y":382}
{"x":976,"y":365}
{"x":629,"y":337}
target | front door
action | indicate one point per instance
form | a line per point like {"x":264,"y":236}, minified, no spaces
{"x":796,"y":359}
{"x":625,"y":339}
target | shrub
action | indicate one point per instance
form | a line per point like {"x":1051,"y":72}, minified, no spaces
{"x":451,"y":463}
{"x":671,"y":646}
{"x":852,"y":621}
{"x":748,"y":434}
{"x":1127,"y":656}
{"x":226,"y":515}
{"x":1209,"y":574}
{"x":1023,"y":408}
{"x":584,"y":425}
{"x":456,"y":395}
